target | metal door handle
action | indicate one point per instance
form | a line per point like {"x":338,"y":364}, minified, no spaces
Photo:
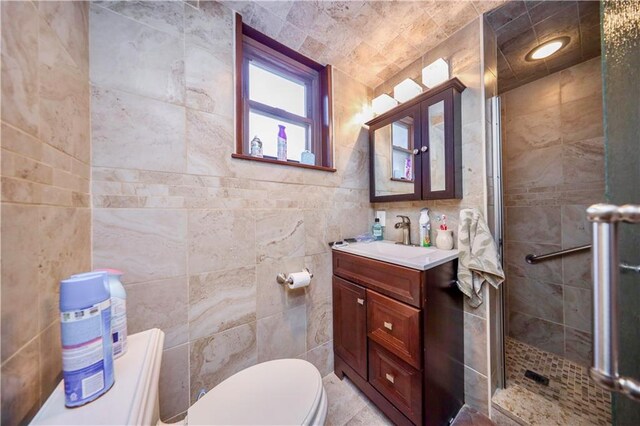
{"x":606,"y":267}
{"x":390,"y":377}
{"x":416,"y":151}
{"x":424,"y":148}
{"x":360,"y":301}
{"x":388,"y":325}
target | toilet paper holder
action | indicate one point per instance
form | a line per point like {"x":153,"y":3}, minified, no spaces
{"x":282,"y":277}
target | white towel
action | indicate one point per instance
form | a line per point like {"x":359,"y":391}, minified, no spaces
{"x":478,"y":256}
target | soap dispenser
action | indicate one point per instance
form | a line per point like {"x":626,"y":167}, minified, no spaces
{"x":425,"y":228}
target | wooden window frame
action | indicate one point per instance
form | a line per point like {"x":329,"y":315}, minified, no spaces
{"x":251,"y":44}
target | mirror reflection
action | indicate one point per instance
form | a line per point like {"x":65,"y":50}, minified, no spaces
{"x":437,"y":165}
{"x":394,"y":158}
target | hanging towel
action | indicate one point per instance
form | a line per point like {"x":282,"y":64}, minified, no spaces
{"x":478,"y":256}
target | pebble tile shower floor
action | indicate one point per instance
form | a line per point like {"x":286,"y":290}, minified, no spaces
{"x":569,"y":383}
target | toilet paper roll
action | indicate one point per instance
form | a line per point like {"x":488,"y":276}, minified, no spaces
{"x":299,"y":279}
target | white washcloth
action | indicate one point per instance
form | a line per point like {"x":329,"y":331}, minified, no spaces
{"x":478,"y":256}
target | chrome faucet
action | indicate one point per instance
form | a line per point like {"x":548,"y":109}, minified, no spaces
{"x":405,"y":225}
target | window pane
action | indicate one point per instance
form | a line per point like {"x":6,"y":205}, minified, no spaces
{"x":400,"y":135}
{"x":276,"y":91}
{"x":266,"y":128}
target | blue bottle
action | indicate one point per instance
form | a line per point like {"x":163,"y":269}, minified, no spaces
{"x":85,"y":322}
{"x":376,"y":230}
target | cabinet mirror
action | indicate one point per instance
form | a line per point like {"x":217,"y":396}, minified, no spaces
{"x":394,"y":159}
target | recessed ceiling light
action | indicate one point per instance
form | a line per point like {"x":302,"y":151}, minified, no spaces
{"x":547,"y":49}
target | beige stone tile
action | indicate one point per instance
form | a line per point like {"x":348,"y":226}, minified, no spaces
{"x":20,"y":244}
{"x":578,"y":310}
{"x":581,"y":80}
{"x":165,"y":16}
{"x":64,"y":97}
{"x":537,"y":224}
{"x":221,"y":239}
{"x":20,"y":65}
{"x":526,"y":296}
{"x":322,"y":358}
{"x":50,"y":360}
{"x":576,"y":229}
{"x":538,"y":129}
{"x":583,"y":161}
{"x":20,"y":143}
{"x":542,"y":334}
{"x":475,"y":343}
{"x":210,"y":26}
{"x":545,"y":91}
{"x":282,"y":335}
{"x":210,"y":142}
{"x":65,"y":249}
{"x":576,"y":270}
{"x":319,"y":322}
{"x":216,"y":358}
{"x":475,"y":390}
{"x":70,"y":22}
{"x":209,"y":82}
{"x":21,"y":385}
{"x":345,"y":399}
{"x":291,"y":36}
{"x":578,"y":346}
{"x":321,"y":267}
{"x":160,"y":304}
{"x":126,"y":128}
{"x":279,"y":234}
{"x":145,"y":244}
{"x":549,"y":271}
{"x":582,"y":119}
{"x":174,"y":382}
{"x":221,"y":300}
{"x":273,"y":298}
{"x":369,"y":416}
{"x":135,"y":58}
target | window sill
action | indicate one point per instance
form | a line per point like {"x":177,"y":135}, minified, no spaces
{"x":283,"y":163}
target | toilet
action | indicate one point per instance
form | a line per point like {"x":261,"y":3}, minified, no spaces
{"x":279,"y":392}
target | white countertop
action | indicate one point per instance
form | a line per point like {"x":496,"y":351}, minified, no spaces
{"x":420,"y":258}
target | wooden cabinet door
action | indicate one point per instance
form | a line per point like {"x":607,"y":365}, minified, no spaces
{"x":350,"y":324}
{"x":441,"y":139}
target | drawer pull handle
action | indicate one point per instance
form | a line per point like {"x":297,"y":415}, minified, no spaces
{"x":390,"y":377}
{"x":388,"y":325}
{"x":360,"y":301}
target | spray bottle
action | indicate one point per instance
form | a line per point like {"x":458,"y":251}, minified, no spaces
{"x":425,"y":228}
{"x":282,"y":143}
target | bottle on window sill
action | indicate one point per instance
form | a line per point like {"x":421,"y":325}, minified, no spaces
{"x":282,"y":144}
{"x":256,"y":147}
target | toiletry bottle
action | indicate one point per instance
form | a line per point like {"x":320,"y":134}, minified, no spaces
{"x":85,"y":323}
{"x":425,"y":228}
{"x":376,"y":230}
{"x":282,"y":144}
{"x":118,"y":312}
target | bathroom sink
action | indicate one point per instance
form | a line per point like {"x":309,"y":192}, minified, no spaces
{"x":421,"y":258}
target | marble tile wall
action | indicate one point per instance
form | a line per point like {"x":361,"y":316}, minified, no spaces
{"x":553,"y":169}
{"x":464,"y":52}
{"x":201,"y":236}
{"x":46,"y":217}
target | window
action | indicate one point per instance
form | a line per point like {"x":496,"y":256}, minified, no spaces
{"x":279,"y":90}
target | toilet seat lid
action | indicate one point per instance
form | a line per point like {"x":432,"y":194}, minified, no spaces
{"x":280,"y":392}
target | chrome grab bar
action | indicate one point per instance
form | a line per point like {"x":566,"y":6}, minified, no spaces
{"x":535,"y":258}
{"x":606,"y":268}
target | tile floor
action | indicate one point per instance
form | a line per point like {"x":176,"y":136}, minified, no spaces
{"x":570,"y":396}
{"x":349,"y":406}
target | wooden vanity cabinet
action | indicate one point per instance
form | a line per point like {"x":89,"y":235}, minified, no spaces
{"x":398,"y":337}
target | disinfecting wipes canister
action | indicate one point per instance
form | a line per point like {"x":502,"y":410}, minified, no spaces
{"x":85,"y":321}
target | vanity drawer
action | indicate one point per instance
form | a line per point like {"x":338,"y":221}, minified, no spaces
{"x":394,"y":325}
{"x":401,"y":283}
{"x":397,"y":381}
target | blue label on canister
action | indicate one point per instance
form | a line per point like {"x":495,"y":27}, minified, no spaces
{"x":87,"y":359}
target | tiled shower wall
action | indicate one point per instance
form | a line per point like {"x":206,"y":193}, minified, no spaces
{"x":463,"y":50}
{"x":46,"y":218}
{"x":201,"y":237}
{"x":553,"y":167}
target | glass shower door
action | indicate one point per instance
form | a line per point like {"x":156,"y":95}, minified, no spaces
{"x":621,"y":80}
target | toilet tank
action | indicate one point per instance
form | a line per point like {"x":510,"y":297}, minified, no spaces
{"x":133,"y":399}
